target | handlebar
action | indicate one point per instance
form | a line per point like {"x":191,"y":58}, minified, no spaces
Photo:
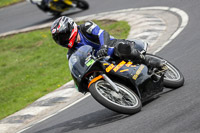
{"x":98,"y":58}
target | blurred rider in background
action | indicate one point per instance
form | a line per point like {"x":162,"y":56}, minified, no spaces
{"x":68,"y":34}
{"x":52,"y":6}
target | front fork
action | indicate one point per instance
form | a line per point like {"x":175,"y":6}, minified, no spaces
{"x":106,"y":78}
{"x":114,"y":87}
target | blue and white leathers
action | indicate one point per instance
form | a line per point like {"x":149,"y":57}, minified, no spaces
{"x":92,"y":35}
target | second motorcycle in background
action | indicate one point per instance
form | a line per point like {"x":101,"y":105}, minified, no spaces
{"x":57,"y":7}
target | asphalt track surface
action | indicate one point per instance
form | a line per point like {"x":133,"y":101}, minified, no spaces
{"x":173,"y":112}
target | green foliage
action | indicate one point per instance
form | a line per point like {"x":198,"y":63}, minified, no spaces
{"x":4,"y":3}
{"x":119,"y":29}
{"x":32,"y":65}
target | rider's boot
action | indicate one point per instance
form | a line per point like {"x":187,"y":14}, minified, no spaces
{"x":154,"y":62}
{"x":126,"y":50}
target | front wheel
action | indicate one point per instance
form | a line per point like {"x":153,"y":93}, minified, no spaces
{"x":173,"y":77}
{"x":126,"y":101}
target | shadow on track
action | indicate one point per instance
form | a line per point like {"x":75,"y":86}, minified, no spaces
{"x":165,"y":91}
{"x":91,"y":120}
{"x":99,"y":118}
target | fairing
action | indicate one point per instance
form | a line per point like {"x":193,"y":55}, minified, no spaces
{"x":133,"y":75}
{"x":78,"y":64}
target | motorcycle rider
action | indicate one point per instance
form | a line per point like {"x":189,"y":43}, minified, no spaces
{"x":67,"y":33}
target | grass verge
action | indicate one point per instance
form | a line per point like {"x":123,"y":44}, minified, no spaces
{"x":5,"y":3}
{"x":32,"y":65}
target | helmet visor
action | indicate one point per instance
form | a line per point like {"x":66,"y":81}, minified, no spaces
{"x":62,"y":39}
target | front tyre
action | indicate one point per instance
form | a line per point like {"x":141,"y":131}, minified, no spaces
{"x":125,"y":102}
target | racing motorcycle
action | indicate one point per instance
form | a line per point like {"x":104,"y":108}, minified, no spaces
{"x":121,"y":85}
{"x":57,"y":7}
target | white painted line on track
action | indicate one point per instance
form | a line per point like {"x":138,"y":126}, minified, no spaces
{"x":184,"y":22}
{"x":79,"y":100}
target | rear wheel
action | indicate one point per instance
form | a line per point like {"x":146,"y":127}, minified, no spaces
{"x":126,"y":101}
{"x":173,"y":78}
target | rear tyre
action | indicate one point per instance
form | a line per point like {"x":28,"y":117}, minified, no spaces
{"x":173,"y":77}
{"x":125,"y":102}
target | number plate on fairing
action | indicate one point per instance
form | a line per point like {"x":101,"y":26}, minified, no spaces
{"x":89,"y":61}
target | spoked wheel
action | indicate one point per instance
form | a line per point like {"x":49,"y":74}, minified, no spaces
{"x":173,"y":78}
{"x":126,"y":101}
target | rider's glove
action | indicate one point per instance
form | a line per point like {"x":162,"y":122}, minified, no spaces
{"x":103,"y":51}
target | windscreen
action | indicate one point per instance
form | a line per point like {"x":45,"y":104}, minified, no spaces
{"x":78,"y":61}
